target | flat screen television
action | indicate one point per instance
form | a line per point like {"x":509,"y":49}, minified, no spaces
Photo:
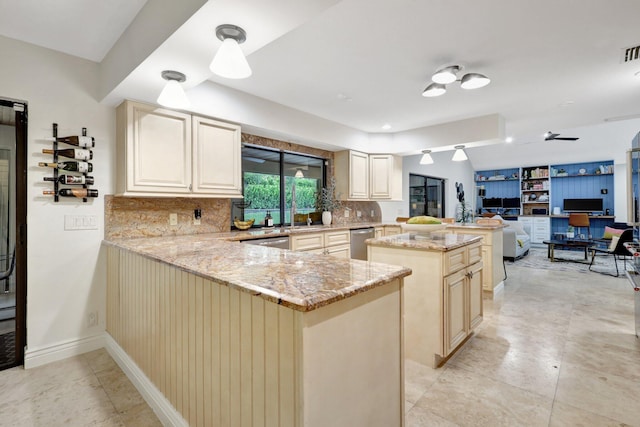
{"x":492,"y":202}
{"x":511,"y":202}
{"x":582,"y":205}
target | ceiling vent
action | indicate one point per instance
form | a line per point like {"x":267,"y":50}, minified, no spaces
{"x":630,"y":54}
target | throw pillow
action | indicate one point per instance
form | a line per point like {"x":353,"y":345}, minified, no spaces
{"x":609,"y":232}
{"x":614,"y":243}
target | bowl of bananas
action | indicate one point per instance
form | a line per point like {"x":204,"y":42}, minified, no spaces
{"x":243,"y":225}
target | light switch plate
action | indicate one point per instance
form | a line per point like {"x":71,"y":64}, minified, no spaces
{"x":173,"y":219}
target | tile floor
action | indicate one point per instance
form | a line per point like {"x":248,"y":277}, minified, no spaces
{"x":555,"y":349}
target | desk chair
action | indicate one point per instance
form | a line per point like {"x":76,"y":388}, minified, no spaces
{"x":579,"y":220}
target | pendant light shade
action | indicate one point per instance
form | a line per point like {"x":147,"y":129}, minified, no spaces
{"x":426,"y":158}
{"x":299,"y":174}
{"x":446,"y":75}
{"x":474,"y":81}
{"x":229,"y":61}
{"x":459,"y":155}
{"x":173,"y":96}
{"x":434,"y":89}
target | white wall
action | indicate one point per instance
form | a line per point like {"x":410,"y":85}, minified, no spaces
{"x":66,"y":269}
{"x":442,"y":167}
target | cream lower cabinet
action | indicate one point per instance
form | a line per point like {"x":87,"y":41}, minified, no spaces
{"x":379,"y":232}
{"x":442,"y":298}
{"x":392,"y":230}
{"x":165,"y":153}
{"x":335,"y":243}
{"x":492,"y":251}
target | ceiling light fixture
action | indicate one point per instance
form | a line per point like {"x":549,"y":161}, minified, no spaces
{"x":229,"y":61}
{"x":299,"y":174}
{"x":448,"y":75}
{"x":386,"y":126}
{"x":459,"y":155}
{"x":173,"y":95}
{"x":426,"y":158}
{"x":508,"y":139}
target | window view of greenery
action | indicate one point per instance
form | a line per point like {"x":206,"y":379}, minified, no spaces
{"x":263,"y":185}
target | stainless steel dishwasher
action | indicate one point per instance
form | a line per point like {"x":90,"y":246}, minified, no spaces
{"x":358,"y":247}
{"x":281,"y":242}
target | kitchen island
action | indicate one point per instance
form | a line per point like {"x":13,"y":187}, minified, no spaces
{"x":443,"y":295}
{"x":234,"y":334}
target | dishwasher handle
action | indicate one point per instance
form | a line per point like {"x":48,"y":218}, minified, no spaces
{"x":272,"y":242}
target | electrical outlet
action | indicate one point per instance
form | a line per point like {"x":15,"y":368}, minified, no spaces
{"x":373,"y":213}
{"x":196,"y":221}
{"x":92,"y":319}
{"x":173,"y":219}
{"x":346,"y":213}
{"x":358,"y":214}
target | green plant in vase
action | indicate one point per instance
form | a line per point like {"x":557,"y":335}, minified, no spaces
{"x":328,"y":201}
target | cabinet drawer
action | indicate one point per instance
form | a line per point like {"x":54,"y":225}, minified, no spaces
{"x":455,"y":260}
{"x":474,"y":253}
{"x":304,"y":242}
{"x":332,"y":238}
{"x":340,"y":251}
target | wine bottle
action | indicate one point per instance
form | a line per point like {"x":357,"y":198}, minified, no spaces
{"x":78,"y":141}
{"x":70,"y":166}
{"x":71,"y":179}
{"x":72,"y":153}
{"x":73,"y":192}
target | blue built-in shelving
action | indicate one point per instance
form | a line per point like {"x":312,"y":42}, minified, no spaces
{"x":582,"y":180}
{"x":499,"y":182}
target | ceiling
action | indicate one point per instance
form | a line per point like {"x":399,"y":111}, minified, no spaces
{"x":554,"y":65}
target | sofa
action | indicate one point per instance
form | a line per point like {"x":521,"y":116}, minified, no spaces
{"x":516,"y":242}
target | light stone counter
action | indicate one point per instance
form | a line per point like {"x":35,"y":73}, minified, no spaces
{"x":298,"y":280}
{"x":435,"y":241}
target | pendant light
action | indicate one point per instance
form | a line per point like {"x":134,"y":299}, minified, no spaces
{"x":299,"y":174}
{"x":448,"y":75}
{"x":459,"y":155}
{"x":426,"y":158}
{"x":229,"y":61}
{"x":474,"y":81}
{"x":173,"y":96}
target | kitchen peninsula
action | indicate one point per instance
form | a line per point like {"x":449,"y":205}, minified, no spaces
{"x":443,"y":295}
{"x":236,"y":334}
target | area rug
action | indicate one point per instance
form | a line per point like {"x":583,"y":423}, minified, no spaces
{"x":7,"y":350}
{"x":537,"y":259}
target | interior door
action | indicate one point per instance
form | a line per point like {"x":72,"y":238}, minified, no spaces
{"x":13,"y":145}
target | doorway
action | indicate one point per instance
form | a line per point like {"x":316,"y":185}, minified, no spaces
{"x":13,"y":213}
{"x":426,"y":196}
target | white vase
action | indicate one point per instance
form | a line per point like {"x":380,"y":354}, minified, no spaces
{"x":326,"y":218}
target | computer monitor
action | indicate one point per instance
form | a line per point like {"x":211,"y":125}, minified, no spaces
{"x":511,"y":202}
{"x":583,"y":205}
{"x":492,"y":202}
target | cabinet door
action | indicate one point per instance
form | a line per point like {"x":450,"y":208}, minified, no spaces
{"x":380,"y":174}
{"x":379,"y":232}
{"x":332,"y":238}
{"x":158,"y":150}
{"x":217,"y":162}
{"x":358,"y":175}
{"x":455,"y":311}
{"x":474,"y":280}
{"x":340,"y":251}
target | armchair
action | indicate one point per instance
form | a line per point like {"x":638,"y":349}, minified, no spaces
{"x":516,"y":242}
{"x":615,"y":248}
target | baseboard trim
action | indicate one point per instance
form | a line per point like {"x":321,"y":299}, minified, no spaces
{"x":163,"y":409}
{"x":42,"y":356}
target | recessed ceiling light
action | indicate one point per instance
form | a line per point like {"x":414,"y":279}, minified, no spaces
{"x":508,"y":139}
{"x":566,"y":103}
{"x":386,"y":126}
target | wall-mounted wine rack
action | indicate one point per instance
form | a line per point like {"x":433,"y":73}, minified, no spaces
{"x":56,"y":173}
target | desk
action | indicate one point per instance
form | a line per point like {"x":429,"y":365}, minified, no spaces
{"x":551,"y":244}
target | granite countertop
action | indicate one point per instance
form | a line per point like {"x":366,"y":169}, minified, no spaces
{"x":299,"y":280}
{"x":435,"y":241}
{"x":260,"y":233}
{"x":474,"y":226}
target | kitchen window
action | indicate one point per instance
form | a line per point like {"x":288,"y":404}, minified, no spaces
{"x":268,"y":178}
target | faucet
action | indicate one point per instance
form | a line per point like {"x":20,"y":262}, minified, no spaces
{"x":293,"y":203}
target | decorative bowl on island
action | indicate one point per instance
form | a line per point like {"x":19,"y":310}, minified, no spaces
{"x":243,"y":225}
{"x":423,"y":223}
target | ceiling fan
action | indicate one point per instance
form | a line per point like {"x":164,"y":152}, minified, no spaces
{"x":550,"y":136}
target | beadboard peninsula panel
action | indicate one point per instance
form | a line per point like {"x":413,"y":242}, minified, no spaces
{"x":225,"y":356}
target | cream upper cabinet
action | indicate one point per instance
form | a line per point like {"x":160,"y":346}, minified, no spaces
{"x":362,"y":176}
{"x":217,"y":157}
{"x":165,"y":153}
